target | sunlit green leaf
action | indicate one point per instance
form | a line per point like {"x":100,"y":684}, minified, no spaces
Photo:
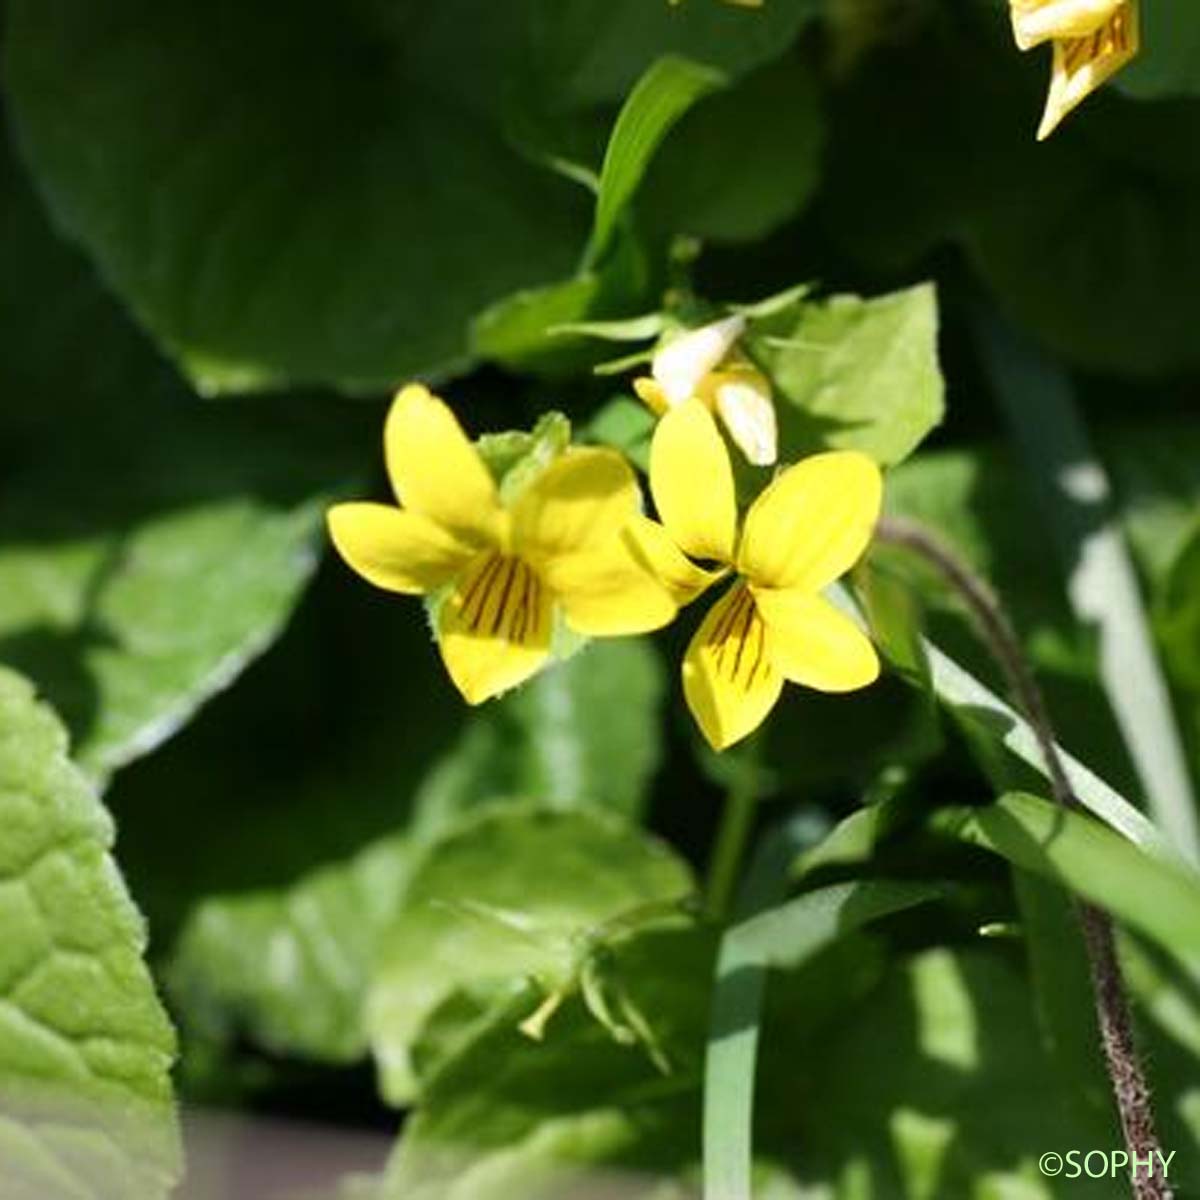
{"x":85,"y":1047}
{"x":658,"y":101}
{"x":567,"y":878}
{"x":1155,"y":897}
{"x":854,"y":374}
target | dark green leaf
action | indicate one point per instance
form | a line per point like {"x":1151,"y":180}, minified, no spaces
{"x":743,"y":161}
{"x":290,"y":968}
{"x":1074,"y":491}
{"x":317,"y":192}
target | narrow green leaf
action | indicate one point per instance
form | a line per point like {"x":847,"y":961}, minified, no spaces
{"x":630,"y":329}
{"x":660,"y":98}
{"x":1152,"y":896}
{"x":997,"y":725}
{"x":789,"y":935}
{"x":774,"y":935}
{"x":983,"y":713}
{"x":1076,"y":497}
{"x":85,"y":1047}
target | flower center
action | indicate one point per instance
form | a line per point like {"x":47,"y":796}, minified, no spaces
{"x":502,"y":599}
{"x":739,"y":642}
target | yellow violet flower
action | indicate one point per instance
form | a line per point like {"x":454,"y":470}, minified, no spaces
{"x":807,"y":528}
{"x":1093,"y":39}
{"x":704,"y":364}
{"x":506,"y":566}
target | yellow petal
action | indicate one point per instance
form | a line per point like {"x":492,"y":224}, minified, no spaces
{"x":397,"y":550}
{"x":692,"y":482}
{"x":1082,"y":64}
{"x":812,"y":643}
{"x":1037,"y":21}
{"x":742,"y":399}
{"x":583,"y":499}
{"x":605,"y":592}
{"x":813,"y":522}
{"x":435,"y":470}
{"x":494,"y":627}
{"x":655,"y":550}
{"x":651,"y":395}
{"x":683,"y":362}
{"x":729,"y":680}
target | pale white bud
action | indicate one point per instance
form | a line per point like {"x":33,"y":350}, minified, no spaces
{"x":680,"y":366}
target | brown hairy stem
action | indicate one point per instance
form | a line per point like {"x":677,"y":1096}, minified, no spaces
{"x":1129,"y":1085}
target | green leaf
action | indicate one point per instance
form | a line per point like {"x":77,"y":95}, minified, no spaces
{"x":1064,"y":1001}
{"x":594,"y":51}
{"x":585,"y":733}
{"x":85,"y":1047}
{"x":1157,"y":898}
{"x":315,"y":188}
{"x":290,"y":968}
{"x":138,"y":579}
{"x":785,"y":935}
{"x":658,"y":101}
{"x":1088,"y":241}
{"x":149,"y":547}
{"x":935,"y":1084}
{"x":1177,"y":615}
{"x":1168,"y":63}
{"x":527,"y":330}
{"x":979,"y":501}
{"x":626,"y":424}
{"x":1074,"y":491}
{"x":516,"y":894}
{"x":989,"y":719}
{"x":509,"y":1119}
{"x":742,"y":162}
{"x":854,"y":374}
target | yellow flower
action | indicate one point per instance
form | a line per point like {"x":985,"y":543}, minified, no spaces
{"x":807,"y":528}
{"x":1093,"y":39}
{"x":506,"y":566}
{"x":704,"y":364}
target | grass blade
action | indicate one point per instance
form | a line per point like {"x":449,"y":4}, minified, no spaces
{"x":1102,"y":584}
{"x":783,"y":935}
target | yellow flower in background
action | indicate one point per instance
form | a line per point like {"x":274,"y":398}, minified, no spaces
{"x":807,"y":528}
{"x":1092,"y":39}
{"x":704,"y":364}
{"x":506,"y":566}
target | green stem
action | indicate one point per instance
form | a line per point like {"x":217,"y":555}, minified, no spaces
{"x":732,"y":838}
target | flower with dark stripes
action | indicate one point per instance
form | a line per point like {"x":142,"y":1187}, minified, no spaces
{"x":1092,"y":40}
{"x":807,"y":528}
{"x":507,"y":565}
